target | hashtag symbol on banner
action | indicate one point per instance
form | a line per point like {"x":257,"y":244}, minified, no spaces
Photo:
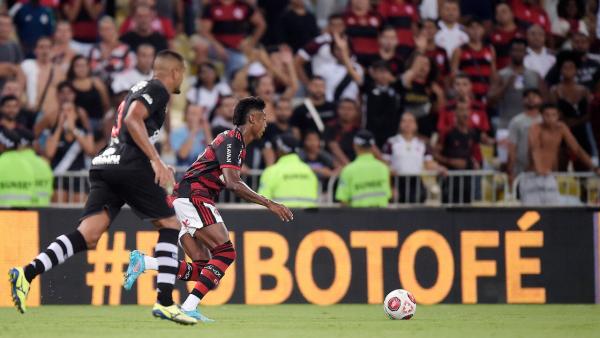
{"x":108,"y":269}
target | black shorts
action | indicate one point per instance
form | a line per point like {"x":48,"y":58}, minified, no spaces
{"x":110,"y":189}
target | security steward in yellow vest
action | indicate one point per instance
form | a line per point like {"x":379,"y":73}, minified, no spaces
{"x":365,"y":182}
{"x":290,"y":181}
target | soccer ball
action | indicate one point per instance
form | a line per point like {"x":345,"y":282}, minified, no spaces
{"x":400,"y":304}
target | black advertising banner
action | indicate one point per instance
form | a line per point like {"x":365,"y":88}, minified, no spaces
{"x":329,"y":256}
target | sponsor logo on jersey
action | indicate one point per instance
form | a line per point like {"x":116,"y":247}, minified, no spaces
{"x":107,"y":157}
{"x":148,"y":98}
{"x":139,"y":86}
{"x":228,"y":160}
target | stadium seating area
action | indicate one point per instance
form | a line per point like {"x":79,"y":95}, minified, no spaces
{"x":450,"y":89}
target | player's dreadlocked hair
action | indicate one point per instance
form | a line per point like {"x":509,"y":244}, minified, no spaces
{"x":244,"y":107}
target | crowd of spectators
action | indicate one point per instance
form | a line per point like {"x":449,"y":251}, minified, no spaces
{"x":443,"y":85}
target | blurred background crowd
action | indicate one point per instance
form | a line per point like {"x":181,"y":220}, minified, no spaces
{"x":442,"y":85}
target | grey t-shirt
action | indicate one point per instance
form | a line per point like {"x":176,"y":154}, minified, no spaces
{"x":511,"y":103}
{"x":518,"y":134}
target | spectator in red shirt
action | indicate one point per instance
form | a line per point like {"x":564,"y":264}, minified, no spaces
{"x":226,"y":24}
{"x":477,"y":59}
{"x":529,"y":12}
{"x":362,"y":28}
{"x":478,"y":118}
{"x":403,"y":16}
{"x":83,"y":16}
{"x":425,"y":44}
{"x":505,"y":31}
{"x":160,"y":24}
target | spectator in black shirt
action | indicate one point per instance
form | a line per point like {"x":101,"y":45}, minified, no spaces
{"x":26,"y":118}
{"x":10,"y":128}
{"x":298,"y":25}
{"x":302,"y":120}
{"x":388,"y":50}
{"x":382,"y":102}
{"x":143,"y":32}
{"x":339,"y":137}
{"x":281,"y":125}
{"x":459,"y":150}
{"x":319,"y":160}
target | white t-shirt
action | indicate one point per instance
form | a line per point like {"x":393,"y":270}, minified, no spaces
{"x":202,"y":96}
{"x":318,"y":53}
{"x":334,"y":73}
{"x":450,"y":38}
{"x":124,"y":80}
{"x":406,"y":157}
{"x":539,"y":62}
{"x":429,"y":9}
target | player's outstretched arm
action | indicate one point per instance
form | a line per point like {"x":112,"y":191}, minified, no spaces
{"x":234,"y":182}
{"x":134,"y":120}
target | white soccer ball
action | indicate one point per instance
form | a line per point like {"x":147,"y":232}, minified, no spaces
{"x":400,"y":304}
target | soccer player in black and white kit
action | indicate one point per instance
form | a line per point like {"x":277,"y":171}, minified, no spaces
{"x":129,"y":170}
{"x":194,"y":202}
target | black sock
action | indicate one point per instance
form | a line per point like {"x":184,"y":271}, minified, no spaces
{"x":57,"y":252}
{"x":168,"y":265}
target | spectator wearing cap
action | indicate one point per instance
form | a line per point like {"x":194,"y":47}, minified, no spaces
{"x":518,"y":131}
{"x":366,"y":181}
{"x":382,"y":99}
{"x":508,"y":87}
{"x":290,"y":181}
{"x":538,"y":58}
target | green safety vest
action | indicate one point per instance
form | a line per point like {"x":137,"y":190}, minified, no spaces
{"x":16,"y":180}
{"x":364,"y":183}
{"x":290,"y":181}
{"x":43,"y":178}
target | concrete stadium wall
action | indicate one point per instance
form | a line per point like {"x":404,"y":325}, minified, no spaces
{"x":338,"y":255}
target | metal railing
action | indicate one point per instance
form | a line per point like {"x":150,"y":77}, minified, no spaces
{"x":483,"y":188}
{"x":557,"y":189}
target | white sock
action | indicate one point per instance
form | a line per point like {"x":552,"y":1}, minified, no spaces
{"x":191,"y":303}
{"x":150,"y":262}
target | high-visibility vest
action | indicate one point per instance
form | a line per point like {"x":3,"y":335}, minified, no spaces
{"x":291,"y":182}
{"x":364,"y":183}
{"x":16,"y":180}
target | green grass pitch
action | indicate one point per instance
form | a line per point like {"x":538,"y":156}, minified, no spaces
{"x":308,"y":321}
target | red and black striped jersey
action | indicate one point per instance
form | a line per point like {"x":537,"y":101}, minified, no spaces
{"x":501,"y":41}
{"x":363,"y":32}
{"x":231,"y":22}
{"x":477,"y":64}
{"x":439,"y":58}
{"x":401,"y":17}
{"x":204,"y":179}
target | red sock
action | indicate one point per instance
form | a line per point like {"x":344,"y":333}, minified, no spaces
{"x":190,"y":271}
{"x":222,"y":257}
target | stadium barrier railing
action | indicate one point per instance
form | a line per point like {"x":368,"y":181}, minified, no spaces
{"x":558,"y":189}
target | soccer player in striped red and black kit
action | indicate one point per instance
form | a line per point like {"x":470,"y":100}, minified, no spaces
{"x":506,"y":30}
{"x":476,"y":59}
{"x":194,"y":202}
{"x":403,"y":16}
{"x":362,"y":28}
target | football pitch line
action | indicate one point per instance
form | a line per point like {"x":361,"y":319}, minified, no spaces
{"x":307,"y":321}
